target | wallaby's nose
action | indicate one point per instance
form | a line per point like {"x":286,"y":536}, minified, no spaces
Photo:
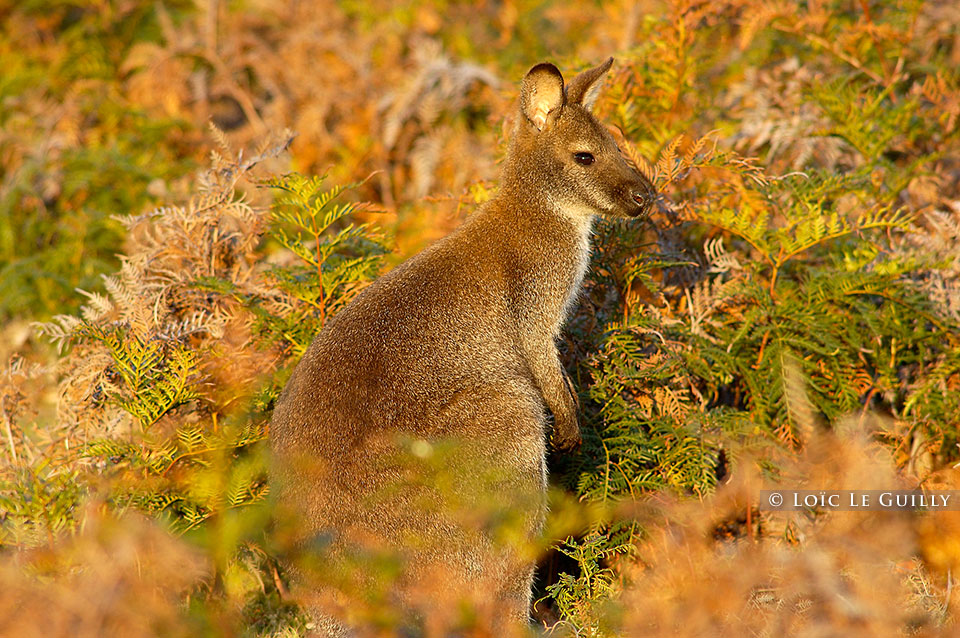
{"x":644,"y":194}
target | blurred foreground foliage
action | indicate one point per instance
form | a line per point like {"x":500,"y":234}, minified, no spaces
{"x":791,"y":316}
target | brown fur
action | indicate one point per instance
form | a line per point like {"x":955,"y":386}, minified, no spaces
{"x":458,"y":343}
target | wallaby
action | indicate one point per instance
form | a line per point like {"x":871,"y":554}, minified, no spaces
{"x":459,"y":342}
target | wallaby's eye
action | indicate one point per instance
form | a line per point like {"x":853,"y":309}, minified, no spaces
{"x":583,"y":158}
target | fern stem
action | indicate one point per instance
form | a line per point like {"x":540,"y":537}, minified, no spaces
{"x":763,"y":345}
{"x":323,"y":302}
{"x":9,"y":432}
{"x":626,"y":479}
{"x":606,"y":474}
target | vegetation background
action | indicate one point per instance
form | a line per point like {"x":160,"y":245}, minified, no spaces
{"x":791,"y":316}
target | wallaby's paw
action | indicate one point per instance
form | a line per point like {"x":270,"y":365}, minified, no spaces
{"x":566,"y":444}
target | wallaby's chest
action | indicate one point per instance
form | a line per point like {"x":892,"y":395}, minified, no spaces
{"x":580,"y":262}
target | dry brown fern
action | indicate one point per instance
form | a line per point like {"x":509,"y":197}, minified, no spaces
{"x":155,"y":297}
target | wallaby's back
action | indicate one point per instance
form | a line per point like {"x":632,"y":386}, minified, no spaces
{"x":375,"y":367}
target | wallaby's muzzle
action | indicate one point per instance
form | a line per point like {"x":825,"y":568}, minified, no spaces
{"x":644,"y":195}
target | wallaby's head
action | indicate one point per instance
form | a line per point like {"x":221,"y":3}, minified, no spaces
{"x":561,"y":150}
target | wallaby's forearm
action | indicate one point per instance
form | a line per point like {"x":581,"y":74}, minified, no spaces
{"x":558,"y":393}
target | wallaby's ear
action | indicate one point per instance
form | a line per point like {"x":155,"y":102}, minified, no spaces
{"x":541,"y":95}
{"x":585,"y":88}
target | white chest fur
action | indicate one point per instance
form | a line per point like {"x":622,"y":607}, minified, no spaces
{"x":583,"y":224}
